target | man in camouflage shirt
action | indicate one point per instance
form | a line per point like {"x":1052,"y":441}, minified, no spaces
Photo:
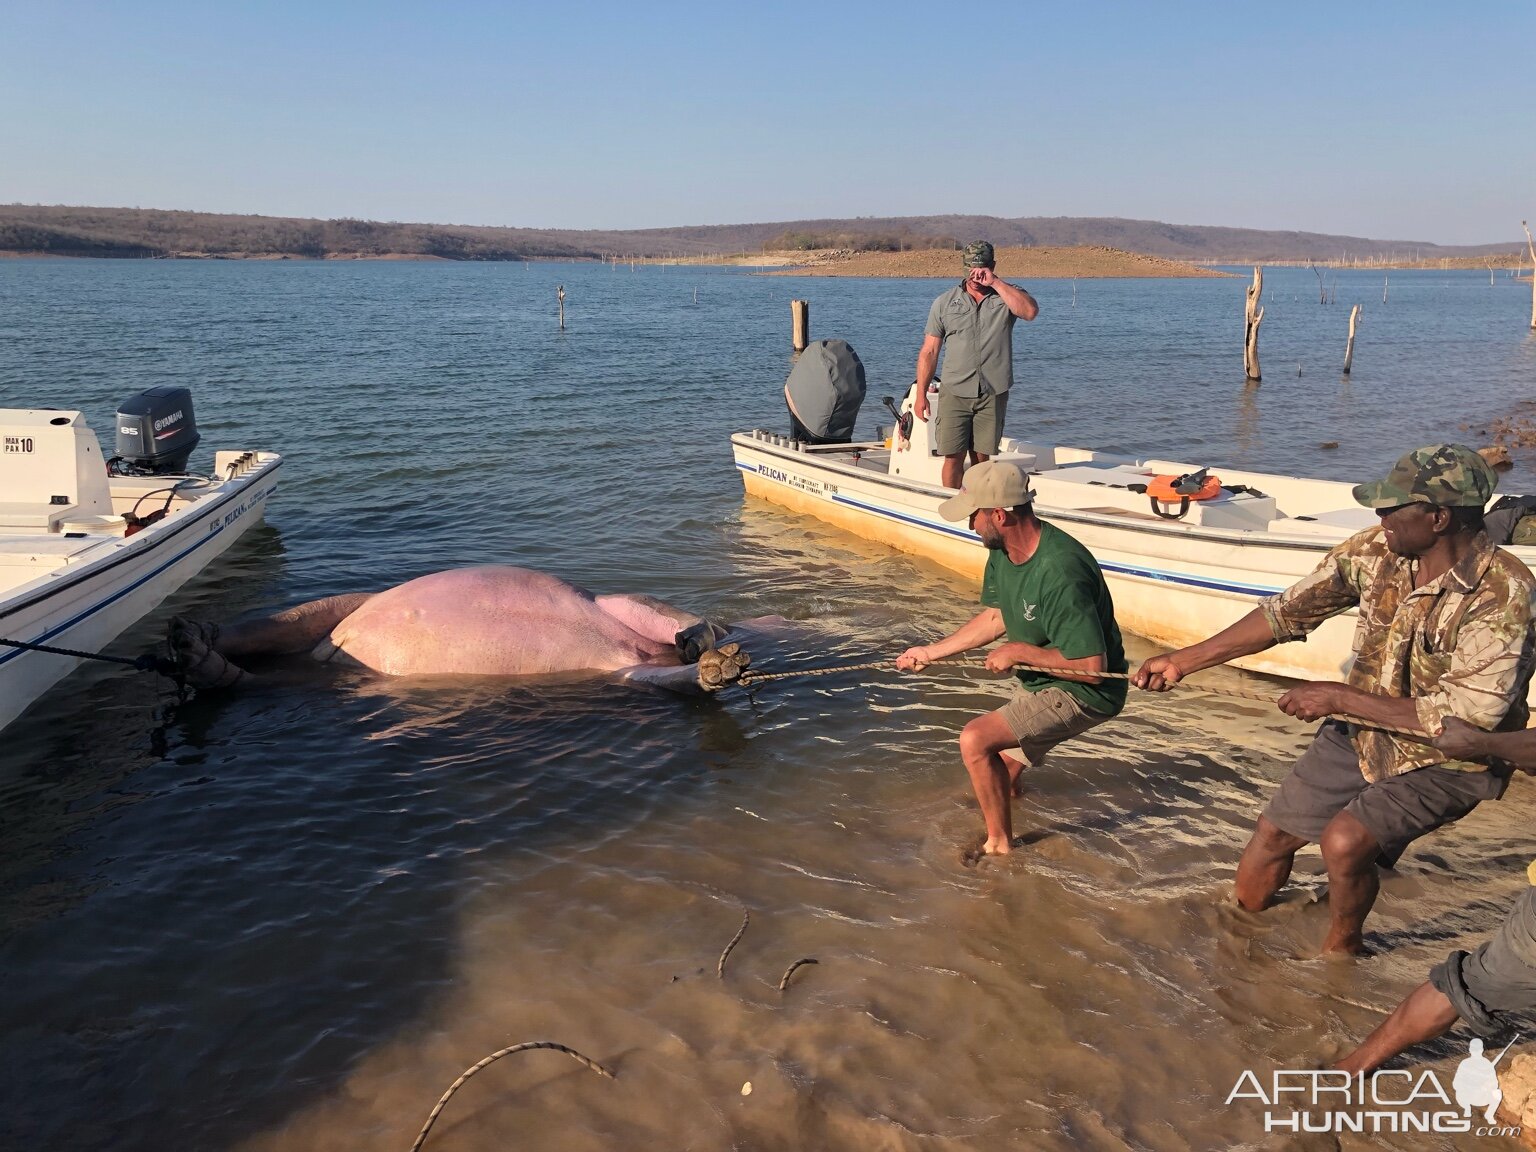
{"x":1445,"y":629}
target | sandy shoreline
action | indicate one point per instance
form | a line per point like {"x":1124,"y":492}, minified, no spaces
{"x":1032,"y":263}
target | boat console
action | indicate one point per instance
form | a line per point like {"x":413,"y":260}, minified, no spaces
{"x":52,"y":473}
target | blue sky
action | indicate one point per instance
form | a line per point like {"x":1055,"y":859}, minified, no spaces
{"x":1388,"y":120}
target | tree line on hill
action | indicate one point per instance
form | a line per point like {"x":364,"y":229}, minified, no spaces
{"x":137,"y":232}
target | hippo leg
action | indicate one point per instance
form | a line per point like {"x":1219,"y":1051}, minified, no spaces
{"x":657,"y":620}
{"x":652,"y":618}
{"x":202,"y":650}
{"x":291,"y":631}
{"x":192,"y":648}
{"x":716,"y":668}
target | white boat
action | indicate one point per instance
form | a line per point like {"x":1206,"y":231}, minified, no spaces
{"x":85,"y":551}
{"x":1178,"y":571}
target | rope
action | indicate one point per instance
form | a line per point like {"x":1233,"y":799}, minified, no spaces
{"x":148,"y":662}
{"x":491,"y":1059}
{"x":790,"y":971}
{"x":752,"y":678}
{"x":735,"y":940}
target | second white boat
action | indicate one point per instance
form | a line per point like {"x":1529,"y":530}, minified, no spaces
{"x":1178,"y":570}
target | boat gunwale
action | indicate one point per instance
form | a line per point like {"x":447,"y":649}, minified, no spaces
{"x":143,"y":544}
{"x":1240,"y":537}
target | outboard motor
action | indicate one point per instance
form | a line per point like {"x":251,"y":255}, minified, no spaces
{"x":156,"y":431}
{"x":824,"y":392}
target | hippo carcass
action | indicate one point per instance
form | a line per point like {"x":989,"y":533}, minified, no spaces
{"x":488,"y":621}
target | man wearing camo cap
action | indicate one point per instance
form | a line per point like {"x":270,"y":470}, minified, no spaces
{"x":973,"y":323}
{"x":1445,"y":630}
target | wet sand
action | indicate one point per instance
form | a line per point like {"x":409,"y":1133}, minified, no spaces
{"x":1095,"y":990}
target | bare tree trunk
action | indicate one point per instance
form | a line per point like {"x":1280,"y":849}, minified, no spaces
{"x":1384,"y":276}
{"x":560,"y":295}
{"x":800,"y":324}
{"x":1254,"y":316}
{"x":1349,"y":346}
{"x":1532,"y":248}
{"x":1322,"y":286}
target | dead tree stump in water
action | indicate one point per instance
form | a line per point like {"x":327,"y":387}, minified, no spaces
{"x":1349,"y":346}
{"x":800,"y":324}
{"x":1253,"y":318}
{"x":1532,"y":247}
{"x":560,"y":295}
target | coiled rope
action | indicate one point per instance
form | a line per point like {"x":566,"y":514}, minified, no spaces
{"x":751,"y":678}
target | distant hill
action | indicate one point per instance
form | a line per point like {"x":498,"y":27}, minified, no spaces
{"x":144,"y":232}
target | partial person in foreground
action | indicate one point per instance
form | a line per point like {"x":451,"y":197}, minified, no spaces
{"x":973,"y":323}
{"x":495,"y":620}
{"x":1045,"y":592}
{"x":1485,"y":988}
{"x":1445,"y":629}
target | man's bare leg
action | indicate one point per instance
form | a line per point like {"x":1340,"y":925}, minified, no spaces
{"x":981,"y":745}
{"x":954,"y":470}
{"x":1015,"y":768}
{"x":1350,"y":852}
{"x":1425,"y":1014}
{"x":1266,"y":865}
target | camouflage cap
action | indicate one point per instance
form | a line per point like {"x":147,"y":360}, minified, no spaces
{"x":978,"y":254}
{"x":1446,"y":475}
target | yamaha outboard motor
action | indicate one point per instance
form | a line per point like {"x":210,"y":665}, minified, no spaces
{"x":824,"y":393}
{"x":156,"y":431}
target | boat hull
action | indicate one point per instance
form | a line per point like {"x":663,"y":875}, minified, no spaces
{"x":1172,"y":584}
{"x":87,"y":605}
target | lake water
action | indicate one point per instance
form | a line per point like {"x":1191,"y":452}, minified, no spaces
{"x":289,"y":919}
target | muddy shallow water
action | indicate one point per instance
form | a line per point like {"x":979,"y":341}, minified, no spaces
{"x":288,"y":920}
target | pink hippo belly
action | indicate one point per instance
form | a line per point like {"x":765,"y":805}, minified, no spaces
{"x":492,"y":621}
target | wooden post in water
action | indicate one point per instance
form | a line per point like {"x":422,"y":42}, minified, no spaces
{"x":800,"y":318}
{"x":1254,"y":317}
{"x":1384,"y":276}
{"x":1349,"y":345}
{"x":1532,"y":247}
{"x":560,"y":295}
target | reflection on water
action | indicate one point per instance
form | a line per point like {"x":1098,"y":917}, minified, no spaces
{"x":288,"y":919}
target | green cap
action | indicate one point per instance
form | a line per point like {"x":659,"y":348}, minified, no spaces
{"x":1446,"y":475}
{"x":978,"y":254}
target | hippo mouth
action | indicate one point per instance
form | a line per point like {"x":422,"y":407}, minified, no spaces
{"x":695,"y":640}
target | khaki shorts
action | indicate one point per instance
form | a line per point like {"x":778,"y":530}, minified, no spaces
{"x":969,"y":423}
{"x":1041,"y":720}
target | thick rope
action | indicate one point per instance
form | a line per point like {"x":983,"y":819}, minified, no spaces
{"x":790,"y":971}
{"x":752,"y":678}
{"x":491,"y":1059}
{"x":746,"y":918}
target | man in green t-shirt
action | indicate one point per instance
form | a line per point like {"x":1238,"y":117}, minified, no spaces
{"x":1046,"y":593}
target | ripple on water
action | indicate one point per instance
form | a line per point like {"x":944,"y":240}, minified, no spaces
{"x":289,"y":919}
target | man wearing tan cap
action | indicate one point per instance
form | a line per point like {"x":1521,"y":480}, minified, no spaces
{"x":1445,"y":629}
{"x":1045,"y":592}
